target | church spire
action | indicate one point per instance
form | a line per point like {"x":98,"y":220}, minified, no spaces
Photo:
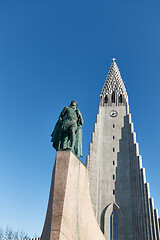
{"x":113,"y":91}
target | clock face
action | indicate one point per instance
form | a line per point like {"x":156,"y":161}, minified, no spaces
{"x":113,"y":113}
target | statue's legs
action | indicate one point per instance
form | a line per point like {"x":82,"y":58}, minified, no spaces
{"x":68,"y":137}
{"x":73,"y":130}
{"x":64,"y":140}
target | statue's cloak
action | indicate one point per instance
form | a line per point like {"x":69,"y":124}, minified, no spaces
{"x":56,"y":135}
{"x":78,"y":144}
{"x":56,"y":138}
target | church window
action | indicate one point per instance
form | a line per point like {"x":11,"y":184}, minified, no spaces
{"x":113,"y":162}
{"x":113,"y":149}
{"x":113,"y":137}
{"x":120,"y":98}
{"x":106,"y":99}
{"x":113,"y":226}
{"x":113,"y":177}
{"x":113,"y":126}
{"x":113,"y":97}
{"x":113,"y":192}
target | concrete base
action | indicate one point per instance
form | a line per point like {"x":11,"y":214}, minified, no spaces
{"x":70,"y":214}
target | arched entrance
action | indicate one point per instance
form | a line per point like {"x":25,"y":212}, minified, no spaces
{"x":112,"y":222}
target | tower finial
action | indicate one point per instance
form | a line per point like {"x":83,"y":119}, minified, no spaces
{"x":113,"y":59}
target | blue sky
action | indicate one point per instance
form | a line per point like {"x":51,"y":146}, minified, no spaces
{"x":52,"y":52}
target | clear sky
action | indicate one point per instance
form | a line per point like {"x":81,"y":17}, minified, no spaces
{"x":54,"y":51}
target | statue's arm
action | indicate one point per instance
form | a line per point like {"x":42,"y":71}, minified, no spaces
{"x":62,"y":113}
{"x":80,"y":119}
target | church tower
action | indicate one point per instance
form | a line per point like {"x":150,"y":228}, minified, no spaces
{"x":120,"y":194}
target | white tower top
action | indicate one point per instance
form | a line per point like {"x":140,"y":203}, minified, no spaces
{"x":114,"y":85}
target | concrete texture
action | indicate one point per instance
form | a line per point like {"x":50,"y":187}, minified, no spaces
{"x":70,"y":214}
{"x":117,"y":178}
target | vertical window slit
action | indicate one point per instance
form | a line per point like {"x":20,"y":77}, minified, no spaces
{"x":113,"y":97}
{"x":113,"y":226}
{"x":106,"y":99}
{"x":120,"y":98}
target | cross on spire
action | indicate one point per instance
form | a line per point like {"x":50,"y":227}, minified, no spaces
{"x":114,"y":59}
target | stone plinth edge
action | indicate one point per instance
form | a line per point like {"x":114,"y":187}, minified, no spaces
{"x":70,"y":214}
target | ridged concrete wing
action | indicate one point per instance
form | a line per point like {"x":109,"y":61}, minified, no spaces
{"x":119,"y":191}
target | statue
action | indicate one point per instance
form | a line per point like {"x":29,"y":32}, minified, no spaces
{"x":67,"y":134}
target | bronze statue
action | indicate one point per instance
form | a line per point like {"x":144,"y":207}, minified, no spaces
{"x":67,"y":134}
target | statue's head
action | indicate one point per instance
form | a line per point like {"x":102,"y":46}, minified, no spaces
{"x":74,"y":104}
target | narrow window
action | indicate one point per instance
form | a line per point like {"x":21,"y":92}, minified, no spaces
{"x":106,"y":99}
{"x":113,"y":97}
{"x":113,"y":125}
{"x":113,"y":192}
{"x":120,"y":98}
{"x":113,"y":226}
{"x":113,"y":137}
{"x":113,"y":149}
{"x":113,"y":177}
{"x":113,"y":162}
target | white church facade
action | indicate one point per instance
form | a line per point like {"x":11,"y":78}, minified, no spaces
{"x":120,"y":194}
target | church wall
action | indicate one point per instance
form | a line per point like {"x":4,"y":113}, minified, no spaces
{"x":132,"y":193}
{"x":123,"y":185}
{"x":116,"y":175}
{"x":102,"y":159}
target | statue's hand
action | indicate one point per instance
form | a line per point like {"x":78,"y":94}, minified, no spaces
{"x":78,"y":112}
{"x":79,"y":115}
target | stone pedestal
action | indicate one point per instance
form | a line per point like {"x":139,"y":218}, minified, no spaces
{"x":70,"y":214}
